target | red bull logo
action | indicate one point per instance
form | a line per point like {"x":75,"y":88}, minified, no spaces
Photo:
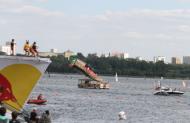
{"x":6,"y":92}
{"x":16,"y":83}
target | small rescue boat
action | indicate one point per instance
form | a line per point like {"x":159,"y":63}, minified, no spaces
{"x":36,"y":101}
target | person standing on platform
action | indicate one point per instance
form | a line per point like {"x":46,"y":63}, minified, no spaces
{"x":33,"y":49}
{"x":27,"y":48}
{"x":13,"y":44}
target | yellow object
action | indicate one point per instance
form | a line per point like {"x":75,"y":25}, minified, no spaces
{"x":26,"y":47}
{"x":22,"y":78}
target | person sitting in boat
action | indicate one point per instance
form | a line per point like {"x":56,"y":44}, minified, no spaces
{"x":27,"y":48}
{"x":40,"y":97}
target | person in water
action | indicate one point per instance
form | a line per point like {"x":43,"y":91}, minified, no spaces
{"x":3,"y":118}
{"x":27,"y":48}
{"x":14,"y":115}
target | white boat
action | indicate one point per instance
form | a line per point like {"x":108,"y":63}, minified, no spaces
{"x":161,"y":90}
{"x":116,"y":77}
{"x":168,"y":91}
{"x":18,"y":76}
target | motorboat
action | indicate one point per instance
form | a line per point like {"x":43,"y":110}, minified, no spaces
{"x":175,"y":92}
{"x":165,"y":91}
{"x":37,"y":102}
{"x":91,"y":84}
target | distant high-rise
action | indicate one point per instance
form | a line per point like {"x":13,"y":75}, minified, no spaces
{"x":125,"y":55}
{"x":176,"y":60}
{"x":186,"y":59}
{"x":159,"y":58}
{"x":54,"y":50}
{"x":139,"y":58}
{"x":119,"y":55}
{"x":6,"y":48}
{"x":68,"y":53}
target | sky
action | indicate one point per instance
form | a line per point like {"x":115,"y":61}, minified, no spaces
{"x":145,"y":28}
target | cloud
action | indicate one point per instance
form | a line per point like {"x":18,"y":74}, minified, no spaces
{"x":28,"y":9}
{"x":8,"y":4}
{"x":149,"y":13}
{"x":21,"y":8}
{"x":183,"y":1}
{"x":147,"y":36}
{"x":135,"y":35}
{"x":42,"y":0}
{"x":159,"y":31}
{"x":2,"y":21}
{"x":184,"y":28}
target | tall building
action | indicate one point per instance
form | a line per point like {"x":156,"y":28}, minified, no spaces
{"x":124,"y":55}
{"x":159,"y":58}
{"x":139,"y":58}
{"x":176,"y":60}
{"x":53,"y":52}
{"x":68,"y":53}
{"x":119,"y":55}
{"x":104,"y":55}
{"x":186,"y":59}
{"x":6,"y":48}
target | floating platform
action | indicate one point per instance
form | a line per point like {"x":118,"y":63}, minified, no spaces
{"x":91,"y":84}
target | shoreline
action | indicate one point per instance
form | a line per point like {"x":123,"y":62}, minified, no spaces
{"x":108,"y":75}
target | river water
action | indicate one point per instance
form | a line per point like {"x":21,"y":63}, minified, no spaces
{"x":70,"y":104}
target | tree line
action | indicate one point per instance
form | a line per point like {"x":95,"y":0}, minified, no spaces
{"x":125,"y":67}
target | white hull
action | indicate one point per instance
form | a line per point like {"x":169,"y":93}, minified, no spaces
{"x":168,"y":92}
{"x":40,"y":63}
{"x":22,"y":74}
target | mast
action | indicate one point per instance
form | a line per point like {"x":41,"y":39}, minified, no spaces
{"x":116,"y":78}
